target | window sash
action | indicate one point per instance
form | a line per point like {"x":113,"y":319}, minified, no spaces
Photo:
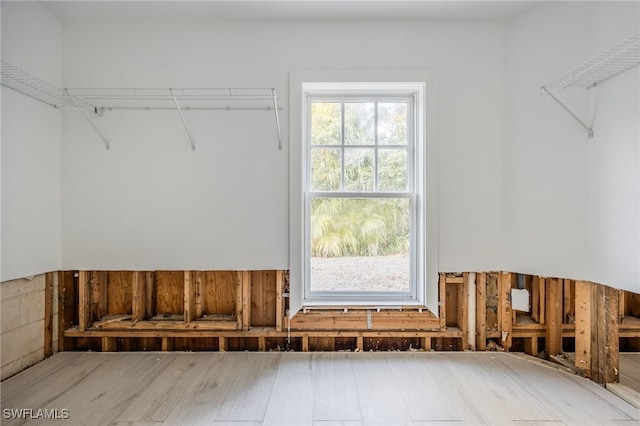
{"x":410,"y":147}
{"x":358,"y":297}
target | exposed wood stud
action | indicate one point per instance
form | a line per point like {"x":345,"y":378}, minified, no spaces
{"x":492,"y":297}
{"x":84,"y":302}
{"x":360,"y":343}
{"x":262,"y":344}
{"x":238,"y":301}
{"x":553,"y":303}
{"x":198,"y":289}
{"x":583,"y":327}
{"x":279,"y":300}
{"x":67,"y":308}
{"x":222,"y":344}
{"x":463,"y":310}
{"x":109,"y":344}
{"x":189,"y":297}
{"x":568,"y":306}
{"x":531,"y":345}
{"x":99,"y":294}
{"x":621,"y":305}
{"x":425,"y":343}
{"x":604,"y":331}
{"x":535,"y":299}
{"x":305,"y":343}
{"x":246,"y":300}
{"x":167,"y":344}
{"x":505,"y":311}
{"x":150,"y":295}
{"x":481,"y":311}
{"x":139,"y":296}
{"x":542,"y":283}
{"x":442,"y":302}
{"x":48,"y":314}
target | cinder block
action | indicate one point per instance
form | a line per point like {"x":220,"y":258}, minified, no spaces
{"x":10,"y":316}
{"x":17,"y":288}
{"x":10,"y":368}
{"x":21,"y":341}
{"x":32,"y":307}
{"x":32,"y":358}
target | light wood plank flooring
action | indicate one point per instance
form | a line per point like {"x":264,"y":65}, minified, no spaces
{"x":630,"y":370}
{"x":341,"y":388}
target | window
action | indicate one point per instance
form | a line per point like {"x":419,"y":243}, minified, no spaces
{"x":363,"y":194}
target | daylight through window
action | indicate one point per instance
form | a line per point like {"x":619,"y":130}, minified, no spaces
{"x":361,"y":203}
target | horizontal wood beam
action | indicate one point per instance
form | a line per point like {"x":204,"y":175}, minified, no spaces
{"x":258,"y":332}
{"x":358,"y":320}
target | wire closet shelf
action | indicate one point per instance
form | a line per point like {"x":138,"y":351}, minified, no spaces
{"x":98,"y":100}
{"x":605,"y":65}
{"x":617,"y":59}
{"x":189,"y":98}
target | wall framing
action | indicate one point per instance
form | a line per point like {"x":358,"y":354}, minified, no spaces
{"x":573,"y":322}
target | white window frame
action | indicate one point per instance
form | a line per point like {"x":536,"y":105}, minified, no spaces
{"x":421,"y":85}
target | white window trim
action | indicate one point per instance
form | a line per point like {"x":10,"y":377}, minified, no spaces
{"x":302,"y":82}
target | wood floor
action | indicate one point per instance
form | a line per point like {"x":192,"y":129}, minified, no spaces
{"x":630,"y":370}
{"x":340,"y":388}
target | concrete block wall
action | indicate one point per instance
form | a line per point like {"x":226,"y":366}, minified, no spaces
{"x":22,"y":323}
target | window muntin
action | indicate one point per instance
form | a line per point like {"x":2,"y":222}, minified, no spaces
{"x":360,"y":203}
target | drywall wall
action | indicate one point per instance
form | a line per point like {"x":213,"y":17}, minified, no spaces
{"x":150,"y":202}
{"x":570,"y":202}
{"x":613,"y":159}
{"x":544,"y":149}
{"x":31,"y":40}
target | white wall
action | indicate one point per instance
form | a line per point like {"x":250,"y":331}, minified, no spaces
{"x":31,"y":40}
{"x":570,"y":202}
{"x":151,"y":203}
{"x":613,"y":159}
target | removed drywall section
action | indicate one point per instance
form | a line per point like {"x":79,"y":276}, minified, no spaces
{"x":31,"y":41}
{"x":23,"y":334}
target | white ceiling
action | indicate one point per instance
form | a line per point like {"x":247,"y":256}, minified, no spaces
{"x":287,"y":9}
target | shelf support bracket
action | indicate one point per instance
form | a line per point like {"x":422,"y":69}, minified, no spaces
{"x":275,"y":109}
{"x":589,"y":129}
{"x":184,"y":123}
{"x":84,"y":114}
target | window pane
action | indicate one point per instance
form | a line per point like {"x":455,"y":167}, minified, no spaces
{"x":358,"y":169}
{"x":325,"y":169}
{"x":392,"y":123}
{"x":392,"y":170}
{"x":360,"y":244}
{"x":325,"y":123}
{"x":359,"y":124}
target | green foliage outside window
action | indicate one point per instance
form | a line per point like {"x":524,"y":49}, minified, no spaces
{"x":359,"y":226}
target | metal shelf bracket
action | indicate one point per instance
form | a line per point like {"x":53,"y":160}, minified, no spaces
{"x":589,"y":129}
{"x":184,"y":123}
{"x":275,"y":109}
{"x":84,"y":114}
